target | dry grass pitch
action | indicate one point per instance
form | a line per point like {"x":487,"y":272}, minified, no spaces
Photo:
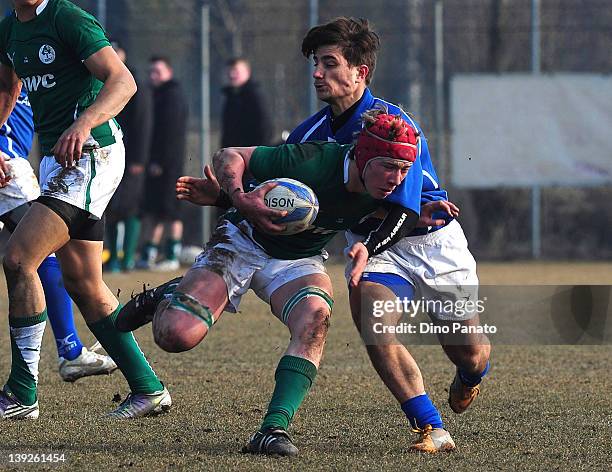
{"x":542,"y":407}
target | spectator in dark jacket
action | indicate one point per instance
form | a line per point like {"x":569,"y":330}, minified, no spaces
{"x":245,"y":118}
{"x":168,"y":148}
{"x":135,"y":121}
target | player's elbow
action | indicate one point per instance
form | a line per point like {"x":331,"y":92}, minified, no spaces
{"x":131,"y":87}
{"x":216,"y":159}
{"x":219,"y":159}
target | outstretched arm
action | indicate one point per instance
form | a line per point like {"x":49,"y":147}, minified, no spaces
{"x":202,"y":191}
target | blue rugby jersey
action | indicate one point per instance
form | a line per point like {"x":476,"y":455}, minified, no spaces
{"x":318,"y":128}
{"x":17,"y":133}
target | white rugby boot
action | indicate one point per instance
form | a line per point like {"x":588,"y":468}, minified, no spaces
{"x":88,"y":363}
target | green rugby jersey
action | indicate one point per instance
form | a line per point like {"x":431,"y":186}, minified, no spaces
{"x":324,"y":168}
{"x":47,"y":54}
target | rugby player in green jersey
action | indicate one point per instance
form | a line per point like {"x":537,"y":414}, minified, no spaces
{"x":76,"y":85}
{"x":285,"y":271}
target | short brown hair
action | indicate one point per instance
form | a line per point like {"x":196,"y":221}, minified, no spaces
{"x":159,"y":58}
{"x":231,"y":62}
{"x":358,"y":43}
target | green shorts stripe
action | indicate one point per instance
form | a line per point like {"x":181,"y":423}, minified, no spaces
{"x":92,"y":160}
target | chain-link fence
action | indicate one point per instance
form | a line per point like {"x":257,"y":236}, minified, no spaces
{"x":479,"y":36}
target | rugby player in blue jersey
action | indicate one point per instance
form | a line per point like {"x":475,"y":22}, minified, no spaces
{"x":428,"y":262}
{"x":388,"y":262}
{"x":75,"y":360}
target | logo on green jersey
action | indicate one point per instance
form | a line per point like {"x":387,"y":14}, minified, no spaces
{"x":33,"y":82}
{"x":46,"y":54}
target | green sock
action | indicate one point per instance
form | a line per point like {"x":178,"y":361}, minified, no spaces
{"x":26,"y":339}
{"x":294,"y":377}
{"x":130,"y":241}
{"x":173,"y":249}
{"x":124,"y":350}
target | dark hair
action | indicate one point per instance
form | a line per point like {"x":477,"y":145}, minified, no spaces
{"x":163,"y":59}
{"x":358,"y":43}
{"x":236,"y":60}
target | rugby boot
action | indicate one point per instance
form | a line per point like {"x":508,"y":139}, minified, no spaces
{"x":137,"y":405}
{"x":140,"y":309}
{"x":432,"y":440}
{"x":12,"y":409}
{"x":271,"y":442}
{"x":460,"y":396}
{"x":89,"y":362}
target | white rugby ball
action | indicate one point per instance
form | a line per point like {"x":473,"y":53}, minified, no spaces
{"x":297,"y":199}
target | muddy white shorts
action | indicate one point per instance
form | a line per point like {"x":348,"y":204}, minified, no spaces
{"x":22,"y":188}
{"x":439,"y":265}
{"x":91,"y":184}
{"x":234,"y":255}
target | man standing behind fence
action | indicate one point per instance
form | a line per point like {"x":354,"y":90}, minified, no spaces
{"x":245,"y":118}
{"x":168,"y":147}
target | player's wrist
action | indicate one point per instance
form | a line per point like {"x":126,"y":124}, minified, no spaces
{"x":236,"y":196}
{"x":84,"y":123}
{"x":370,"y":243}
{"x":223,"y":200}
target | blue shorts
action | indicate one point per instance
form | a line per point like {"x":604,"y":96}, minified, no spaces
{"x":398,"y":284}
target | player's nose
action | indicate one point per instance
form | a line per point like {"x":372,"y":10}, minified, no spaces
{"x":395,"y":177}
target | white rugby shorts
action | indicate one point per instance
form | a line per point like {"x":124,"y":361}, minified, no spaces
{"x":22,"y":188}
{"x":234,"y":255}
{"x":439,"y":265}
{"x":91,"y":184}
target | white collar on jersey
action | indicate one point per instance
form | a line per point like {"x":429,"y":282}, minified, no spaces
{"x":41,"y":7}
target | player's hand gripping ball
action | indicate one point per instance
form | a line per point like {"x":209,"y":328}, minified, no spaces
{"x":297,"y":199}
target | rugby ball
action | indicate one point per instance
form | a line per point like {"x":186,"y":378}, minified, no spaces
{"x":297,"y":199}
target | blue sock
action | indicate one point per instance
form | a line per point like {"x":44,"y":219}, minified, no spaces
{"x":420,"y":412}
{"x":471,"y":380}
{"x":59,"y":309}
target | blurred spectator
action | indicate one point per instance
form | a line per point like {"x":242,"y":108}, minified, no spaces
{"x":135,"y":121}
{"x":168,"y":147}
{"x":245,"y":118}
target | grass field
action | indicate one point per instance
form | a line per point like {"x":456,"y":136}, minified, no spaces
{"x":542,"y":407}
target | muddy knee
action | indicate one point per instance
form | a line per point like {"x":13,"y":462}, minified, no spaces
{"x":14,"y":265}
{"x":314,"y":329}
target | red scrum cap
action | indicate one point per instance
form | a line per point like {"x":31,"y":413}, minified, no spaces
{"x":385,"y":135}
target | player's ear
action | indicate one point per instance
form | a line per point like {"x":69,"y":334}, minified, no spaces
{"x":362,"y":72}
